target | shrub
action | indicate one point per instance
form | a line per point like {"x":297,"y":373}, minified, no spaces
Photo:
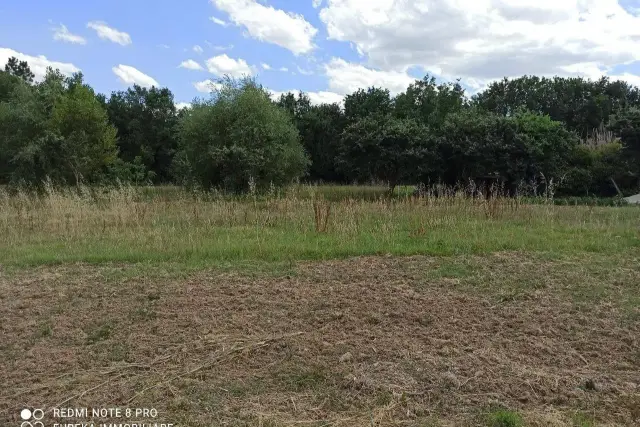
{"x":236,"y":137}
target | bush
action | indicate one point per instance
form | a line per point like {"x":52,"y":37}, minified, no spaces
{"x":237,"y":137}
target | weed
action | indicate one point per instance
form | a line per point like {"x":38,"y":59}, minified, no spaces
{"x":45,"y":330}
{"x":580,"y":419}
{"x":131,"y":224}
{"x":504,"y":418}
{"x":99,"y":332}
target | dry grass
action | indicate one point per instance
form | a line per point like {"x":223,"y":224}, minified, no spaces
{"x":367,"y":341}
{"x":129,"y":225}
{"x":254,"y":311}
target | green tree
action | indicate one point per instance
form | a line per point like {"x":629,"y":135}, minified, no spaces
{"x":581,"y":104}
{"x":146,"y":120}
{"x":55,"y":130}
{"x":430,"y":103}
{"x":19,"y":69}
{"x":321,"y":127}
{"x":625,"y":125}
{"x":523,"y":147}
{"x":364,"y":103}
{"x":388,"y":149}
{"x":237,"y":137}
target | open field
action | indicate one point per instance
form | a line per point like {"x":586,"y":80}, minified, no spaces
{"x":408,"y":312}
{"x":127,"y":225}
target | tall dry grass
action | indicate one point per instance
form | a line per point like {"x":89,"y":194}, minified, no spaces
{"x":133,"y":224}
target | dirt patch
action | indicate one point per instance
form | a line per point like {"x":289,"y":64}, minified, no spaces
{"x":366,"y":341}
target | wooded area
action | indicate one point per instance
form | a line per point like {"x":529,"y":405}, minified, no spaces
{"x":582,"y":135}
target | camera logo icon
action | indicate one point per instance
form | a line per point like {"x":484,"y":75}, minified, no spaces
{"x":31,"y":418}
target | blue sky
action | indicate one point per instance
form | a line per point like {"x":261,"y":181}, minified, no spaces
{"x":328,"y":47}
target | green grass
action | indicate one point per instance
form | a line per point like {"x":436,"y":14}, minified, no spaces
{"x":128,"y":225}
{"x":504,"y":418}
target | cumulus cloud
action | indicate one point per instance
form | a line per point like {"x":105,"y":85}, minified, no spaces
{"x":198,"y":49}
{"x":183,"y":105}
{"x":222,"y":65}
{"x":288,"y":30}
{"x":284,"y":69}
{"x":316,"y":98}
{"x":627,"y":77}
{"x":487,"y":39}
{"x":190,"y":64}
{"x":219,"y":21}
{"x":130,"y":75}
{"x":62,"y":33}
{"x":316,"y":3}
{"x":345,"y":77}
{"x":265,"y":66}
{"x":106,"y":32}
{"x":207,"y":86}
{"x":38,"y":64}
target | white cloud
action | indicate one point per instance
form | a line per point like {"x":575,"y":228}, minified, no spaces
{"x":207,"y":86}
{"x":304,"y":72}
{"x":106,"y":32}
{"x":265,"y":66}
{"x":316,"y":98}
{"x":345,"y":77}
{"x":323,"y":97}
{"x":316,"y":3}
{"x":63,"y":34}
{"x":164,"y":46}
{"x":229,"y":47}
{"x":288,"y":30}
{"x":190,"y":64}
{"x":222,"y":65}
{"x":219,"y":21}
{"x":484,"y":40}
{"x":183,"y":105}
{"x":632,"y":79}
{"x":284,"y":69}
{"x":38,"y":64}
{"x":198,"y":49}
{"x":130,"y":75}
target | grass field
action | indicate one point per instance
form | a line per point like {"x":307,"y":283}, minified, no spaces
{"x":320,"y":306}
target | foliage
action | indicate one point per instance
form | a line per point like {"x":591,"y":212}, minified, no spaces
{"x":581,"y":104}
{"x":520,"y":148}
{"x":365,"y":103}
{"x":517,"y":130}
{"x":625,"y":124}
{"x":430,"y":103}
{"x":385,"y":148}
{"x":320,"y":128}
{"x":55,"y":130}
{"x":146,"y":120}
{"x":19,"y":69}
{"x":240,"y":137}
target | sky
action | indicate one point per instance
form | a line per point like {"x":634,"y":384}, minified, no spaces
{"x":326,"y":48}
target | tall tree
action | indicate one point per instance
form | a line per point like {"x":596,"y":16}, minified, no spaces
{"x":428,"y":102}
{"x":583,"y":105}
{"x":55,"y":130}
{"x":19,"y":69}
{"x":387,"y":149}
{"x":320,"y":128}
{"x":364,"y":103}
{"x":146,"y":121}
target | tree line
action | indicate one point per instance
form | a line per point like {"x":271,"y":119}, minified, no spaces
{"x":580,"y":134}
